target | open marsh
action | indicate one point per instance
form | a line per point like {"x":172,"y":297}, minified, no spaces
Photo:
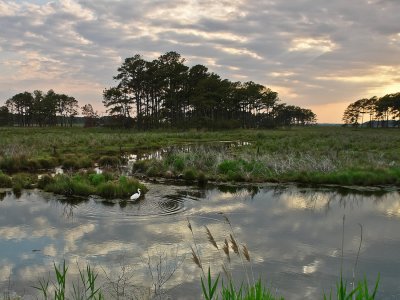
{"x":334,"y":155}
{"x":293,"y":234}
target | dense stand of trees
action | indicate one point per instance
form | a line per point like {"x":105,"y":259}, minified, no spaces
{"x":46,"y":109}
{"x":162,"y":93}
{"x":166,"y":92}
{"x":39,"y":109}
{"x":374,"y":112}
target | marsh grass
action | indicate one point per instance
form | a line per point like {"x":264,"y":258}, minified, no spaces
{"x":109,"y":161}
{"x":308,"y":155}
{"x":105,"y":185}
{"x":5,"y":181}
{"x":290,"y":167}
{"x":84,"y":289}
{"x":361,"y":292}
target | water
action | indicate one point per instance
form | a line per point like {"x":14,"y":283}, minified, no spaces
{"x":293,"y":234}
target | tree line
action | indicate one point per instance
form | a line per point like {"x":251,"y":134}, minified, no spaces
{"x":374,"y":112}
{"x":166,"y":93}
{"x":44,"y":109}
{"x":162,"y":93}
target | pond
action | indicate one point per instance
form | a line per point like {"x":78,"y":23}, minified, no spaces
{"x":294,"y":236}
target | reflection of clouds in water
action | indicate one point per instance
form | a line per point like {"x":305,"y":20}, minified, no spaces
{"x":109,"y":247}
{"x":14,"y":232}
{"x":73,"y":235}
{"x":390,"y":207}
{"x":312,"y":267}
{"x":26,"y":256}
{"x":27,"y":273}
{"x":50,"y":250}
{"x":45,"y":232}
{"x":5,"y":270}
{"x":230,"y":208}
{"x":299,"y":201}
{"x":287,"y":231}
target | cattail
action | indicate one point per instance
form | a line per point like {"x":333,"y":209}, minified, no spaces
{"x":226,"y":249}
{"x":245,"y":252}
{"x":195,"y":258}
{"x":226,"y":219}
{"x":211,"y":238}
{"x":235,"y":247}
{"x":189,"y":225}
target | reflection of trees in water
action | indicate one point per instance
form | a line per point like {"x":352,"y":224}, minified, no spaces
{"x":161,"y":266}
{"x":68,"y":205}
{"x":345,"y":198}
{"x":238,"y":191}
{"x":315,"y":197}
{"x":2,"y":195}
{"x":192,"y":194}
{"x":68,"y":211}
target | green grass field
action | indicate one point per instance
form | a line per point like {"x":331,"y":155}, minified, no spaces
{"x":334,"y":155}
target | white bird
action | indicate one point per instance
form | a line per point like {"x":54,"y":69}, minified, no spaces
{"x":136,"y":195}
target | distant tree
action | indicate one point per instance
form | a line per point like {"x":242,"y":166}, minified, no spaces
{"x":380,"y":110}
{"x":118,"y":104}
{"x":41,"y":109}
{"x":67,"y":109}
{"x":91,"y":116}
{"x":5,"y":116}
{"x":351,"y":115}
{"x":21,"y":105}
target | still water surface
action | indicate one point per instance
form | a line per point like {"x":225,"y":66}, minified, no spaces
{"x":293,"y":234}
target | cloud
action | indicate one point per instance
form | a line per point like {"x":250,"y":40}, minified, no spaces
{"x":313,"y":52}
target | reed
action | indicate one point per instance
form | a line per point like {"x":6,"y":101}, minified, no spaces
{"x":84,"y":289}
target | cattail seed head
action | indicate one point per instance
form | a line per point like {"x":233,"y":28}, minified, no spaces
{"x":234,"y":246}
{"x":189,"y":225}
{"x":195,"y":258}
{"x":225,"y":248}
{"x":211,"y":238}
{"x":245,"y":252}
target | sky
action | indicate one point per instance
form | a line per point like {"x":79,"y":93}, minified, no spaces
{"x":317,"y":54}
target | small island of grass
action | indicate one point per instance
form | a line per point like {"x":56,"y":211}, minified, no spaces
{"x":106,"y":185}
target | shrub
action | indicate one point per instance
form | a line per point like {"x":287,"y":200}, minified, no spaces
{"x":32,"y":165}
{"x":47,"y":163}
{"x":108,"y":190}
{"x":13,"y":164}
{"x":109,"y":161}
{"x":70,"y":163}
{"x":179,"y":164}
{"x":153,"y":171}
{"x":227,"y":166}
{"x":24,"y":180}
{"x":76,"y":162}
{"x":201,"y":179}
{"x":85,"y":162}
{"x":81,"y":188}
{"x":44,"y":181}
{"x":189,"y":174}
{"x":96,"y":179}
{"x":5,"y":181}
{"x":141,"y":166}
{"x":60,"y":185}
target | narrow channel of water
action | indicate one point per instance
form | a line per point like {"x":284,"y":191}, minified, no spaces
{"x":293,"y":234}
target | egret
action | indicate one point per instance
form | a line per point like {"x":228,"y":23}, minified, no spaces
{"x":135,"y":196}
